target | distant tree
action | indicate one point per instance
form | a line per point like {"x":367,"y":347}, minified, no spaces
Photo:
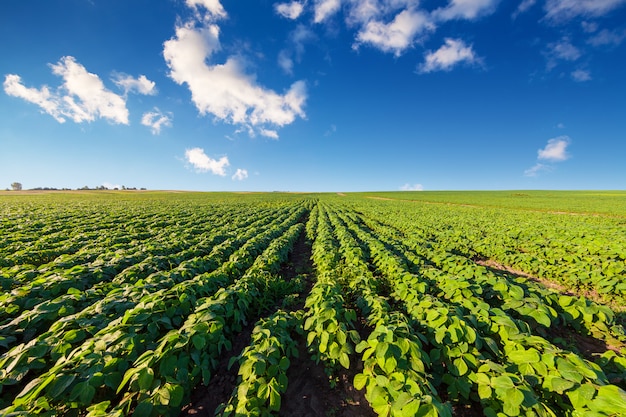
{"x":16,"y":186}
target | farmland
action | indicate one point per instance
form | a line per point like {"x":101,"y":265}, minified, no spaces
{"x":411,"y":304}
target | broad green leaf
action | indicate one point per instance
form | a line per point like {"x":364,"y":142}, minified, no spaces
{"x":359,"y":381}
{"x":524,"y":356}
{"x":143,"y":409}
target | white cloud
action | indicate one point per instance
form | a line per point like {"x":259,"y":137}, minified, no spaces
{"x":202,"y":163}
{"x":269,"y":133}
{"x":561,"y":10}
{"x":452,"y":53}
{"x":581,"y":75}
{"x":214,"y":9}
{"x":323,"y":9}
{"x":285,"y":61}
{"x":555,"y":150}
{"x":536,"y":169}
{"x":397,"y":35}
{"x":225,"y":90}
{"x":560,"y":125}
{"x":240,"y":175}
{"x":607,"y":38}
{"x":82,"y":96}
{"x":523,"y":7}
{"x":465,"y":9}
{"x":562,"y":50}
{"x":156,"y":119}
{"x":291,"y":10}
{"x":141,"y":85}
{"x":49,"y":102}
{"x":412,"y":187}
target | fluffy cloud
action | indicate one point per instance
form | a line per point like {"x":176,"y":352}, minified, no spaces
{"x":214,"y":9}
{"x":202,"y":163}
{"x":323,"y":9}
{"x":581,"y":75}
{"x":141,"y":85}
{"x":397,"y":35}
{"x":156,"y":119}
{"x":465,"y":9}
{"x":555,"y":150}
{"x":82,"y":96}
{"x":225,"y":90}
{"x":240,"y":175}
{"x":291,"y":10}
{"x":412,"y":187}
{"x":452,"y":53}
{"x":561,"y":10}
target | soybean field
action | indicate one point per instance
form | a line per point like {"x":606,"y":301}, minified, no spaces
{"x":136,"y":303}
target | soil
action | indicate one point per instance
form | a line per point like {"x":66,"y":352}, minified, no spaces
{"x":309,"y":393}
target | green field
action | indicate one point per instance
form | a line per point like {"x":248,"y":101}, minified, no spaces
{"x":153,"y":303}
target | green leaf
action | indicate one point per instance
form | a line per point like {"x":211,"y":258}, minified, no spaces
{"x":284,"y":363}
{"x":557,"y":384}
{"x":610,"y":400}
{"x":143,"y":409}
{"x":514,"y":397}
{"x":390,"y":365}
{"x":323,"y":342}
{"x":427,"y":410}
{"x":359,"y":381}
{"x":56,"y":388}
{"x":524,"y":356}
{"x":502,"y":382}
{"x":176,"y":395}
{"x":274,"y":400}
{"x":581,"y":395}
{"x":461,"y":366}
{"x":199,"y":342}
{"x":146,"y":376}
{"x":484,"y":392}
{"x":163,"y":394}
{"x":344,"y":360}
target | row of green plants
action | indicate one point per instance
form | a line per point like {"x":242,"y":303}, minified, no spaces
{"x":494,"y":347}
{"x":81,"y":351}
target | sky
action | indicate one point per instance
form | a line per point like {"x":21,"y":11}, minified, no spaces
{"x":313,"y":95}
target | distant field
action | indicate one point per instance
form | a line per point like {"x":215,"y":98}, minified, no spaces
{"x":601,"y":202}
{"x":162,"y":303}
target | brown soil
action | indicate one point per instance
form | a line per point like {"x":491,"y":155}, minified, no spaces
{"x":309,"y":393}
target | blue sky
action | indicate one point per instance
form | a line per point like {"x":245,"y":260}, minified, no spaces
{"x":313,"y":95}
